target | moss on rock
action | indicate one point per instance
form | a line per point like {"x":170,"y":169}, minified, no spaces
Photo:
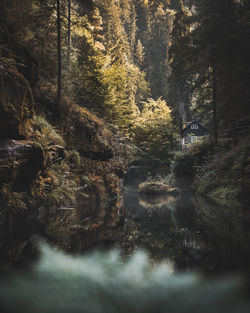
{"x":16,"y":101}
{"x":157,"y":188}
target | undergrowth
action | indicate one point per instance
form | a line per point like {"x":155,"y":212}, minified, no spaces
{"x":226,"y":173}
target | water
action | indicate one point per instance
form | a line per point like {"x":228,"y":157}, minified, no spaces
{"x":103,"y":283}
{"x":195,"y":233}
{"x":163,"y":255}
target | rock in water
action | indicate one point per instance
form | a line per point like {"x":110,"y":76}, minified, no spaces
{"x":155,"y":188}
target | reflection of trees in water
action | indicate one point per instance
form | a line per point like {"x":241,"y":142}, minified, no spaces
{"x":179,"y":209}
{"x":72,"y":229}
{"x":90,"y":222}
{"x":157,"y":201}
{"x":226,"y":229}
{"x":190,"y":231}
{"x":16,"y":238}
{"x":160,"y":208}
{"x":162,"y":226}
{"x":193,"y":231}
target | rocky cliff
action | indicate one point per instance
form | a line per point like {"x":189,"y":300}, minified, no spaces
{"x":66,"y":175}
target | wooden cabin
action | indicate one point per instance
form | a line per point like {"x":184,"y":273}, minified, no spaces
{"x":191,"y":132}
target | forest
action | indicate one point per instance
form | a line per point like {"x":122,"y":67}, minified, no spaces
{"x":124,"y":156}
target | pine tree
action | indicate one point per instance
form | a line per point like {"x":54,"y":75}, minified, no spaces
{"x":59,"y":56}
{"x":179,"y":96}
{"x":139,"y":54}
{"x":215,"y":60}
{"x":69,"y":33}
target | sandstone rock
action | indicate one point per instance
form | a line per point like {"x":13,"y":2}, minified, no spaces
{"x":16,"y":101}
{"x":20,"y":160}
{"x":88,"y":134}
{"x":157,"y":188}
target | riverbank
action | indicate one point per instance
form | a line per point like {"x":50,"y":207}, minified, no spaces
{"x":54,"y":158}
{"x":220,"y":172}
{"x":192,"y":232}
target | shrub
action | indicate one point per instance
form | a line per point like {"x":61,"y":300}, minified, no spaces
{"x":153,"y":130}
{"x":45,"y":133}
{"x":186,"y":163}
{"x":73,"y":157}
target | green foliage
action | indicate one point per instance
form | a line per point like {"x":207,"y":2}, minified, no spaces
{"x":226,"y":173}
{"x":73,"y":157}
{"x":15,"y":202}
{"x":88,"y":86}
{"x":179,"y":90}
{"x":45,"y":133}
{"x":56,"y":188}
{"x":185,"y":163}
{"x":220,"y":47}
{"x":153,"y":130}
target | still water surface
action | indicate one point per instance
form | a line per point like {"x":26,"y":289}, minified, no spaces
{"x":193,"y":233}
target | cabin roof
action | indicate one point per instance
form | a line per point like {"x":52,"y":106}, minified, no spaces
{"x":184,"y":130}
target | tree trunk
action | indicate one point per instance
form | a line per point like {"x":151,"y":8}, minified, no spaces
{"x":43,"y":36}
{"x":214,"y":95}
{"x":69,"y":33}
{"x":181,"y":5}
{"x":59,"y":57}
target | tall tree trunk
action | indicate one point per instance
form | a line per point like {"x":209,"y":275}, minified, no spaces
{"x":59,"y":57}
{"x":69,"y":33}
{"x":43,"y":36}
{"x":214,"y":95}
{"x":181,"y":6}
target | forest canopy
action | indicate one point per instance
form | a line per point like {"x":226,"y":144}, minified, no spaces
{"x":188,"y":58}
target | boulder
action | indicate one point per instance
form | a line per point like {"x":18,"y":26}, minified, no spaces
{"x":88,"y":134}
{"x":155,"y":188}
{"x":16,"y":101}
{"x":20,"y":160}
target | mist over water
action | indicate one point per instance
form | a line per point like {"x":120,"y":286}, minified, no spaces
{"x":103,"y":283}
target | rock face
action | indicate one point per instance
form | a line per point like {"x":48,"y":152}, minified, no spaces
{"x":16,"y":101}
{"x":75,"y":165}
{"x":88,"y":134}
{"x":155,"y":188}
{"x":20,"y":160}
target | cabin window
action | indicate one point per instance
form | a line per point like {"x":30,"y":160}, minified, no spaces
{"x":194,"y":138}
{"x":187,"y":139}
{"x":194,"y":126}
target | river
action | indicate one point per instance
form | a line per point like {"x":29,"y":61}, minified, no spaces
{"x":192,"y":233}
{"x":155,"y":254}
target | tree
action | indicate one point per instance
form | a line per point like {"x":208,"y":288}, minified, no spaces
{"x":69,"y":33}
{"x":59,"y":56}
{"x":153,"y":129}
{"x":139,"y":54}
{"x":179,"y":96}
{"x":215,"y":56}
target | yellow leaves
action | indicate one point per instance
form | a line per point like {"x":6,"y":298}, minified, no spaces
{"x":80,"y":25}
{"x":154,"y":114}
{"x":153,"y":128}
